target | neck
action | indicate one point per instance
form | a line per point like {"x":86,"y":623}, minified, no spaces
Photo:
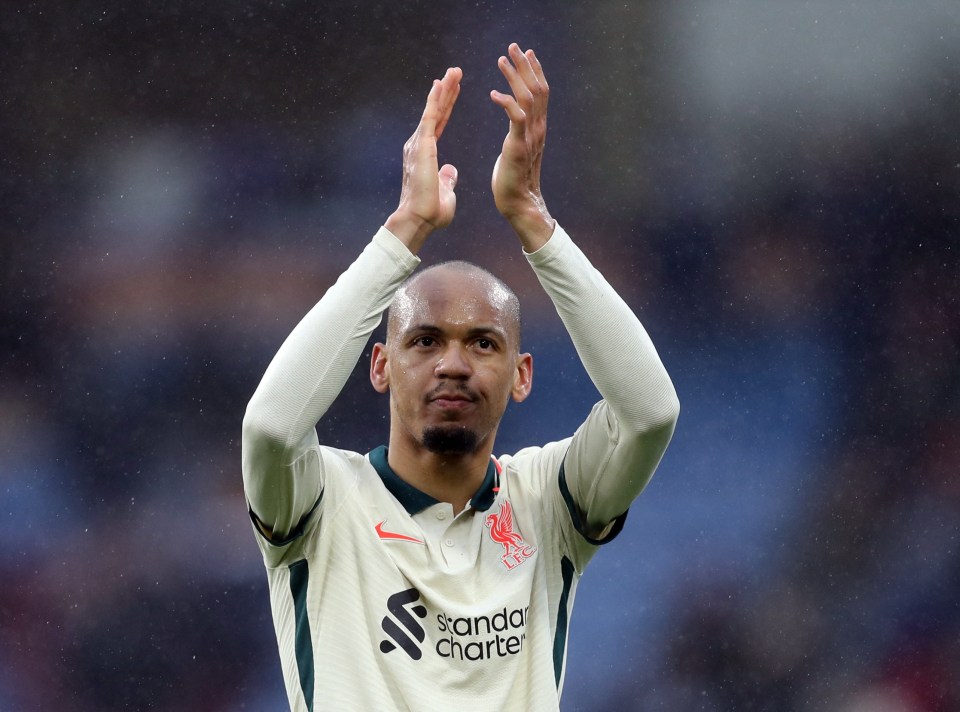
{"x":452,"y":478}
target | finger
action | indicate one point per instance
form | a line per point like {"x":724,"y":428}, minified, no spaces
{"x":522,"y":63}
{"x":511,"y":75}
{"x":448,"y":174}
{"x":516,"y":115}
{"x":518,"y":85}
{"x":428,"y":120}
{"x":532,"y":74}
{"x":451,"y":82}
{"x":537,"y":68}
{"x":437,"y":99}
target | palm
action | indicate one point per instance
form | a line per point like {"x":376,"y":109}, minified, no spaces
{"x":515,"y":181}
{"x":427,"y":198}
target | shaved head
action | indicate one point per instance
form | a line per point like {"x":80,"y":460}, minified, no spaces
{"x":452,"y":274}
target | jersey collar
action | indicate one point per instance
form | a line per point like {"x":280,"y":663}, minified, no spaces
{"x":413,"y":500}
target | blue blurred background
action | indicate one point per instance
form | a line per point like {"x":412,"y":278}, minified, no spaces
{"x":774,"y":186}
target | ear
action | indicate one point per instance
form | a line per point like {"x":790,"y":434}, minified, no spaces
{"x":379,"y":370}
{"x":523,"y":378}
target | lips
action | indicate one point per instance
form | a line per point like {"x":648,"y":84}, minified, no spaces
{"x":451,"y":405}
{"x":451,"y":399}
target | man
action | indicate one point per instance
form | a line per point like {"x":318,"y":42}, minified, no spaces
{"x":429,"y":575}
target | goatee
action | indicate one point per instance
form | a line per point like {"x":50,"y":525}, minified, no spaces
{"x":455,"y":440}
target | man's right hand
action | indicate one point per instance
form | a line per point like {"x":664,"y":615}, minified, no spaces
{"x":427,"y":198}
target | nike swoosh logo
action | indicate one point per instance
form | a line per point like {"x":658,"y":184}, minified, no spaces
{"x":393,"y":536}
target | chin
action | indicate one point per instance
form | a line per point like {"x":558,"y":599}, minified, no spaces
{"x":450,"y":440}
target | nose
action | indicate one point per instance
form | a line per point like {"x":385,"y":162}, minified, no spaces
{"x":454,"y":362}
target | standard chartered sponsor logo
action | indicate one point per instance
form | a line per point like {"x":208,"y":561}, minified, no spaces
{"x":397,"y":606}
{"x":464,"y":638}
{"x":482,"y":637}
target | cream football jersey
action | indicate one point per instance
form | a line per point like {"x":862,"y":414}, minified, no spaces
{"x":383,"y":598}
{"x":387,"y":600}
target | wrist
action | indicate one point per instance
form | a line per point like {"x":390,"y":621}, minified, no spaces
{"x":533,"y":226}
{"x":409,"y":229}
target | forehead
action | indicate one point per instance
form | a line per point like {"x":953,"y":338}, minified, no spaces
{"x":449,"y":298}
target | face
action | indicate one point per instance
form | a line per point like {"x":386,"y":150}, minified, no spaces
{"x":451,"y":361}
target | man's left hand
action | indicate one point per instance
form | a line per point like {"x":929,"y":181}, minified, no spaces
{"x":516,"y":174}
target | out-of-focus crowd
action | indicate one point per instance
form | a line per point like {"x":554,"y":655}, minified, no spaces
{"x":182,"y":181}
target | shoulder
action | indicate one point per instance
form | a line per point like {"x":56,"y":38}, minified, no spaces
{"x":342,"y":470}
{"x":343,"y":459}
{"x":536,"y":463}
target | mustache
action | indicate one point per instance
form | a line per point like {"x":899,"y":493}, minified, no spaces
{"x":446,"y":389}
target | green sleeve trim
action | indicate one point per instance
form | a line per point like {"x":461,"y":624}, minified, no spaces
{"x":560,"y":637}
{"x":293,"y":535}
{"x":578,"y":522}
{"x":303,"y":642}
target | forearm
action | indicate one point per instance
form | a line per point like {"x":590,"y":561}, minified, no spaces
{"x":614,"y":347}
{"x":311,"y":367}
{"x":614,"y":454}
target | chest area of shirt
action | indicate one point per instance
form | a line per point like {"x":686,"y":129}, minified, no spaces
{"x":496,"y":540}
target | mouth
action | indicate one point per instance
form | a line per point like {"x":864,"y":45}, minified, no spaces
{"x":451,"y":400}
{"x":451,"y":403}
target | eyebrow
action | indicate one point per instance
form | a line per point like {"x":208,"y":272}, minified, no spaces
{"x":475,"y":331}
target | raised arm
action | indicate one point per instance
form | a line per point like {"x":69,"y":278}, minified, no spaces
{"x":615,"y":452}
{"x":282,"y":478}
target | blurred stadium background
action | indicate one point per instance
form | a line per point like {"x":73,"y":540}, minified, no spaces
{"x":773,"y":185}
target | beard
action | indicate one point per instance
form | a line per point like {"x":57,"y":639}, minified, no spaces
{"x":450,"y":440}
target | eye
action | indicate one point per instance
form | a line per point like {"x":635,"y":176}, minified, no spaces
{"x":486,"y":344}
{"x":424,"y":341}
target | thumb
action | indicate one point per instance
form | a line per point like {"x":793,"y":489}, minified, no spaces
{"x":448,"y":174}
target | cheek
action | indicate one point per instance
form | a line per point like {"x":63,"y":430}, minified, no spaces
{"x":405,"y":376}
{"x":504,"y":385}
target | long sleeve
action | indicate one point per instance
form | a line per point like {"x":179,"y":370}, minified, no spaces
{"x":281,"y":482}
{"x":614,"y":453}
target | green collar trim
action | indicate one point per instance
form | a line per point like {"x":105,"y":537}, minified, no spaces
{"x":415,"y":501}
